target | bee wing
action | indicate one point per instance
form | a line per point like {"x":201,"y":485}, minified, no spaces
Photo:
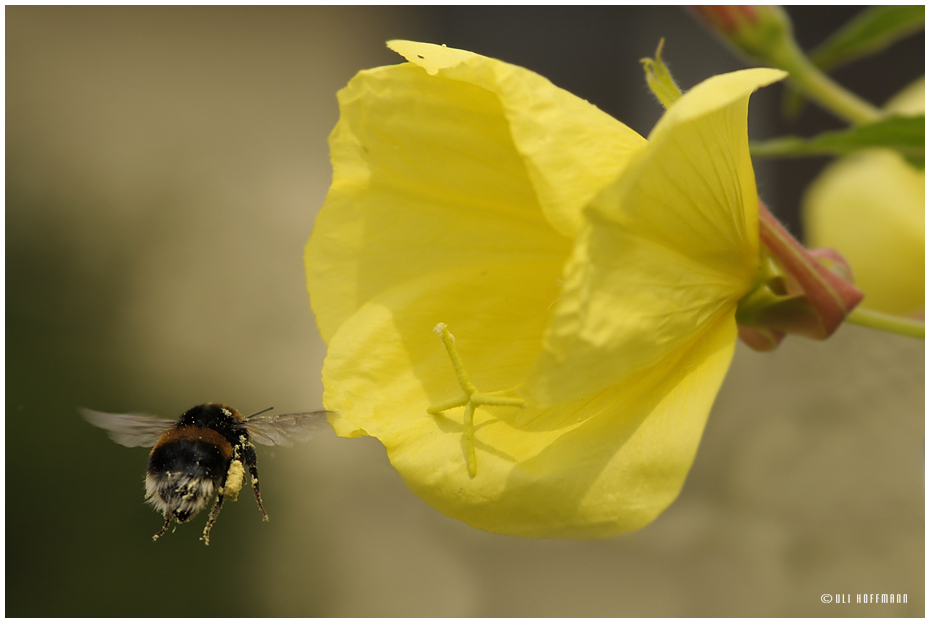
{"x":284,"y":430}
{"x":129,"y":429}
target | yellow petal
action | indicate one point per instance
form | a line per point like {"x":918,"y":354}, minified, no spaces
{"x":669,"y":248}
{"x":592,"y":469}
{"x":426,"y":178}
{"x":572,"y":149}
{"x":436,"y":170}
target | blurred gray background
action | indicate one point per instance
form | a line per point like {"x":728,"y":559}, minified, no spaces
{"x":163,"y":170}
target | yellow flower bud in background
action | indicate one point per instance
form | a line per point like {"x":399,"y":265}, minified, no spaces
{"x":870,"y":207}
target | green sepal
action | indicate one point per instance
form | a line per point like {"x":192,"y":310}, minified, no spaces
{"x":789,"y":313}
{"x":799,"y":291}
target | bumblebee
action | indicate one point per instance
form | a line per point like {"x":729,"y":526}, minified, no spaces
{"x":205,"y":451}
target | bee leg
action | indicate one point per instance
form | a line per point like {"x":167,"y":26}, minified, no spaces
{"x":164,"y":528}
{"x":214,"y":513}
{"x":252,"y":461}
{"x":253,"y":471}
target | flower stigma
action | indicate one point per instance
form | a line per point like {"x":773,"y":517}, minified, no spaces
{"x":471,"y":400}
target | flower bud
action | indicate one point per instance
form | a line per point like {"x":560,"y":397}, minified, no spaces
{"x":762,"y":33}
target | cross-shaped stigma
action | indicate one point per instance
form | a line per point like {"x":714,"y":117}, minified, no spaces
{"x":471,"y":400}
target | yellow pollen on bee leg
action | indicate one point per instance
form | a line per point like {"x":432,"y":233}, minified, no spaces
{"x":471,"y":400}
{"x":234,"y":478}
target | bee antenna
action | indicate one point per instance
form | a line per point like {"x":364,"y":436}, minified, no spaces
{"x":260,"y":412}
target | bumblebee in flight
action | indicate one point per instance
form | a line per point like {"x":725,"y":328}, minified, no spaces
{"x":205,"y":451}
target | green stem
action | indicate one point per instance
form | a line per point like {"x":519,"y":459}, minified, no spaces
{"x":886,"y":322}
{"x":821,"y":88}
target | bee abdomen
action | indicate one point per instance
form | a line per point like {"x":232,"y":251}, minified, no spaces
{"x":178,"y":495}
{"x":182,"y":477}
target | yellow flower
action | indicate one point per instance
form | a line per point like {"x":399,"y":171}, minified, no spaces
{"x":582,"y":270}
{"x":870,"y":207}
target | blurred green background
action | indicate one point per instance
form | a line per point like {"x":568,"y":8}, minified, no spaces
{"x":163,"y":169}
